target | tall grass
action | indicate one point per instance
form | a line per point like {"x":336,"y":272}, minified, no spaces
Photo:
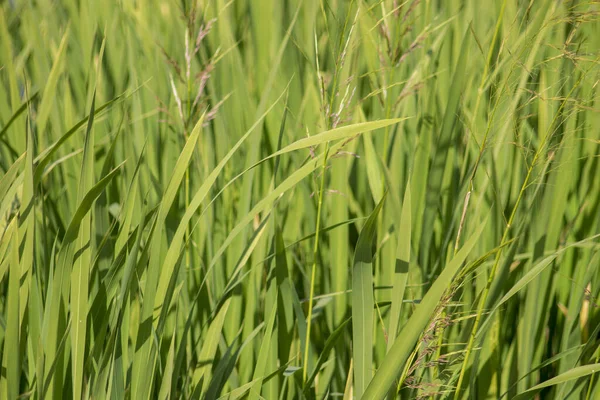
{"x":299,"y":199}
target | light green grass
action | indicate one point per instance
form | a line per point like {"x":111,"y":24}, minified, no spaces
{"x":297,"y":199}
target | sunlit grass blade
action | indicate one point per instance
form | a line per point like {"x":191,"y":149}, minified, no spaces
{"x":343,"y":132}
{"x":49,"y":94}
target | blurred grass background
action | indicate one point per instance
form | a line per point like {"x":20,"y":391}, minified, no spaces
{"x":299,"y":199}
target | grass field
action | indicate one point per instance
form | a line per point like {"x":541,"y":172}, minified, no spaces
{"x":320,"y":199}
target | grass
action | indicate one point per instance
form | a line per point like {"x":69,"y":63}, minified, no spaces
{"x":299,"y":199}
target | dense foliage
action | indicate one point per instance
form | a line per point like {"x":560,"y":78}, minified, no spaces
{"x":299,"y":199}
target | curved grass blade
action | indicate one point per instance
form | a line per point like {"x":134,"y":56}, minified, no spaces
{"x":337,"y":134}
{"x":17,"y":113}
{"x":49,"y":94}
{"x":396,"y":358}
{"x":42,"y":160}
{"x":570,"y":375}
{"x":267,"y":201}
{"x":241,"y":391}
{"x":9,"y":177}
{"x":550,"y":361}
{"x":535,"y":271}
{"x":329,"y":343}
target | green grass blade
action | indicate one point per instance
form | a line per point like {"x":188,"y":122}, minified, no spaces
{"x":202,"y":375}
{"x":344,"y":132}
{"x":49,"y":94}
{"x":443,"y":144}
{"x":396,"y":358}
{"x":144,"y":359}
{"x":42,"y":160}
{"x":257,"y":378}
{"x":570,"y":375}
{"x":53,"y":327}
{"x":9,"y":177}
{"x":536,"y":270}
{"x":81,"y":267}
{"x":19,"y":111}
{"x":329,"y":345}
{"x":11,"y":359}
{"x":401,"y":266}
{"x":363,"y":303}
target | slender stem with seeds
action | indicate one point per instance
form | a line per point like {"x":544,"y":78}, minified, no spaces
{"x":485,"y":137}
{"x":320,"y":207}
{"x":314,"y":266}
{"x":505,"y":239}
{"x":481,"y":149}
